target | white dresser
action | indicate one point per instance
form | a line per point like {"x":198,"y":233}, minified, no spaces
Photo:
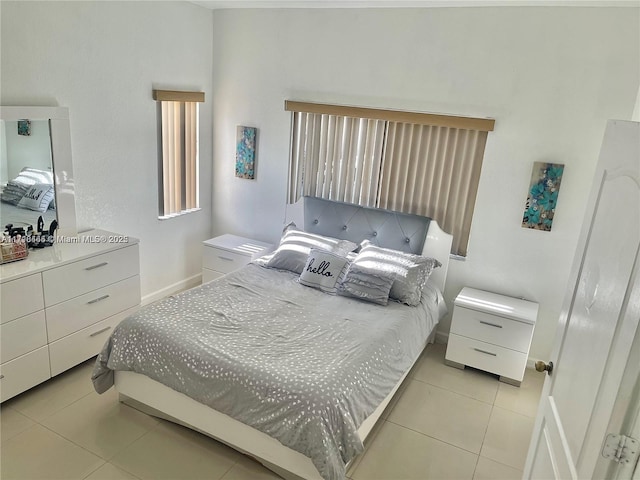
{"x":226,"y":253}
{"x":491,"y":332}
{"x":59,"y":305}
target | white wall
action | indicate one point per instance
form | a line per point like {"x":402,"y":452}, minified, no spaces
{"x":551,"y":77}
{"x":102,"y":60}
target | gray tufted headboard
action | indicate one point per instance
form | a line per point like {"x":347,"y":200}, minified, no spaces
{"x":385,"y":228}
{"x":400,"y":231}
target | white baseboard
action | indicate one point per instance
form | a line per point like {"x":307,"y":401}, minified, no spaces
{"x":173,"y":288}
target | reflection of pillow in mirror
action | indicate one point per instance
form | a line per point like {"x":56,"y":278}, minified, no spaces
{"x":38,"y":197}
{"x":13,"y":192}
{"x":31,"y":176}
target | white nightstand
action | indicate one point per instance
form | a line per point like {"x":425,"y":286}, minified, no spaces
{"x":491,"y":332}
{"x":226,"y":253}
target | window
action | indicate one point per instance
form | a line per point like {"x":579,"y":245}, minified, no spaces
{"x":409,"y":162}
{"x":179,"y":166}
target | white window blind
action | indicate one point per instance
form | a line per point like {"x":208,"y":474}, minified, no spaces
{"x":179,"y":173}
{"x":434,"y":172}
{"x":335,"y":157}
{"x":411,"y":167}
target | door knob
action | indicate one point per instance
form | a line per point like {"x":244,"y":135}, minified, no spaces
{"x":542,"y":367}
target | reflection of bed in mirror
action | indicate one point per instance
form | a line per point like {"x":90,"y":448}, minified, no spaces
{"x":20,"y":217}
{"x":36,"y":174}
{"x":26,"y":173}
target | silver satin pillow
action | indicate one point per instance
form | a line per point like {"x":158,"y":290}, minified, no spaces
{"x":410,"y":271}
{"x":367,"y":284}
{"x":295,"y":246}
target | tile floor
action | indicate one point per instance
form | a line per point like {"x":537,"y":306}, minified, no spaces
{"x":444,"y":424}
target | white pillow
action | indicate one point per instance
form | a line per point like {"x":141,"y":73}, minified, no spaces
{"x":38,"y":197}
{"x":324,"y":270}
{"x":295,"y":246}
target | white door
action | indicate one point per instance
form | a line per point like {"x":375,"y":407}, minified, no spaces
{"x":599,"y":318}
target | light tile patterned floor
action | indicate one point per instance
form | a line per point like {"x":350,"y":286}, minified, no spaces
{"x":444,"y":424}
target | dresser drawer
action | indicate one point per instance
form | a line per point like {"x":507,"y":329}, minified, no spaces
{"x":68,"y":281}
{"x":492,"y":329}
{"x":85,"y":310}
{"x":22,"y":335}
{"x":21,"y":297}
{"x":485,"y":356}
{"x":223,"y":261}
{"x":84,"y":344}
{"x":24,"y":372}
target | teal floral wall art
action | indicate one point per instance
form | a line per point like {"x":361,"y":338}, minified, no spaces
{"x":543,"y":195}
{"x":245,"y":152}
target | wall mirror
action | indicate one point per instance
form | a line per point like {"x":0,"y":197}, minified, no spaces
{"x":35,"y":151}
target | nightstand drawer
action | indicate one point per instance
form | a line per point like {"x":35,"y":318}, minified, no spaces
{"x":492,"y":329}
{"x":223,"y":261}
{"x":22,"y":335}
{"x":491,"y":358}
{"x":24,"y":372}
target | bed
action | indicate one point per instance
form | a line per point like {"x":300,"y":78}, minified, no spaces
{"x":288,"y":374}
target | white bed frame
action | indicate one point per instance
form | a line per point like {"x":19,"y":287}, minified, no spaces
{"x":161,"y":401}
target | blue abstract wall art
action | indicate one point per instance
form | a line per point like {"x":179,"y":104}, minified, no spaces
{"x":543,"y":195}
{"x":245,"y":152}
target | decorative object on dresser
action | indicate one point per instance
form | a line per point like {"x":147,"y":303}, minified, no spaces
{"x":491,"y":332}
{"x":59,"y":305}
{"x":226,"y":253}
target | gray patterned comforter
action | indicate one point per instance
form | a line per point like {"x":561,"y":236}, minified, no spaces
{"x":297,"y":364}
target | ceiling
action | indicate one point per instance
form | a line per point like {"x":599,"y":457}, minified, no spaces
{"x":218,"y":4}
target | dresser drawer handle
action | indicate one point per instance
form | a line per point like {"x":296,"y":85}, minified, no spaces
{"x":96,"y":300}
{"x":485,"y":352}
{"x":1,"y":377}
{"x":490,"y":324}
{"x":225,"y":258}
{"x":97,"y":266}
{"x":99,"y":331}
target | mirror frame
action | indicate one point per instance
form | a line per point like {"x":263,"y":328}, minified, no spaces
{"x":60,"y":133}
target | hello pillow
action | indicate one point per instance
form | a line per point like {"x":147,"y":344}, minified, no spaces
{"x":324,"y":270}
{"x":38,"y":197}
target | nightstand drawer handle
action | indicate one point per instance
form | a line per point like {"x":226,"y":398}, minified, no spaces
{"x":99,"y":331}
{"x":1,"y":377}
{"x":104,"y":297}
{"x":97,"y":266}
{"x":225,"y":258}
{"x":490,"y":324}
{"x":485,"y":352}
